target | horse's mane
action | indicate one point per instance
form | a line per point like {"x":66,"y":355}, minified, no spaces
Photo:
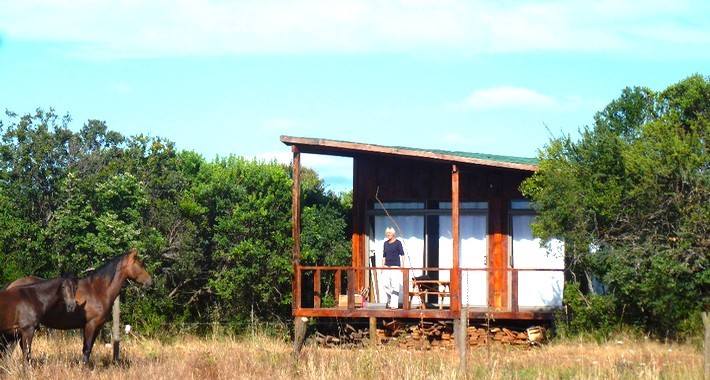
{"x":69,"y":275}
{"x":108,"y":269}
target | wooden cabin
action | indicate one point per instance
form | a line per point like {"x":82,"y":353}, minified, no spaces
{"x":463,"y":222}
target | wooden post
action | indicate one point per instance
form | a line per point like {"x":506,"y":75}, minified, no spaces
{"x":116,"y":327}
{"x":299,"y":334}
{"x":455,"y":299}
{"x":374,"y":339}
{"x":299,"y":325}
{"x":296,"y":229}
{"x":358,"y":237}
{"x":351,"y":289}
{"x":405,"y":289}
{"x":462,"y":340}
{"x":706,"y":323}
{"x":338,"y":284}
{"x":316,"y":289}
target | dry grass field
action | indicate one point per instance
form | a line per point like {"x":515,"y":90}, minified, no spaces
{"x":260,"y":357}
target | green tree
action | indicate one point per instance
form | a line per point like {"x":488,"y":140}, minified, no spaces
{"x":93,"y":226}
{"x":33,"y":160}
{"x":631,"y":199}
{"x":249,"y":215}
{"x":216,"y":236}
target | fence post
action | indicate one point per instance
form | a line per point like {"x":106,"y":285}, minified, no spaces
{"x":116,"y":327}
{"x":706,"y":323}
{"x":462,"y":339}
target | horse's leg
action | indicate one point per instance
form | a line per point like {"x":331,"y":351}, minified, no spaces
{"x":91,"y":331}
{"x":23,"y":347}
{"x":30,"y":337}
{"x":26,"y":342}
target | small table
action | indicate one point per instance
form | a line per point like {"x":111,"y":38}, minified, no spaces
{"x":423,"y":288}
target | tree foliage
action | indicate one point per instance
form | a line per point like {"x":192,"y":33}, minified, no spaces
{"x":631,"y":199}
{"x":216,"y":236}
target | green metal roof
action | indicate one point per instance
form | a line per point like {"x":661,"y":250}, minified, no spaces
{"x":351,"y":149}
{"x":480,"y":156}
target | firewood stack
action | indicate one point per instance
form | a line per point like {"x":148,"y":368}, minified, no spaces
{"x":433,"y":334}
{"x":478,"y":336}
{"x":350,"y":337}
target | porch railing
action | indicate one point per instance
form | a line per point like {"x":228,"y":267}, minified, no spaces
{"x":336,"y":281}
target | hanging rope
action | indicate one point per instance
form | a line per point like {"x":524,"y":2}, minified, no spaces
{"x":399,"y":230}
{"x":468,"y":290}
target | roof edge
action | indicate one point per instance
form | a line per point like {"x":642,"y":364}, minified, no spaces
{"x":344,"y":147}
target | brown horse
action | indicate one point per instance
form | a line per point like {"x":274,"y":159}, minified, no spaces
{"x":95,"y":296}
{"x":22,"y":308}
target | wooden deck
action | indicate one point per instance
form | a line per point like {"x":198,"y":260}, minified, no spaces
{"x":342,"y":281}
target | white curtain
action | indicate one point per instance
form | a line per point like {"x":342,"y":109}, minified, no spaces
{"x":474,"y":284}
{"x":536,"y":289}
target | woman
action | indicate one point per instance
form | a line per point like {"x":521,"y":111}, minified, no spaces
{"x":392,"y":257}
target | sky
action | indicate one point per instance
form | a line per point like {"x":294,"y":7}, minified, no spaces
{"x":228,"y":77}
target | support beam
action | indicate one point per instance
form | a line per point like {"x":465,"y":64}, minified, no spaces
{"x":296,"y":229}
{"x":359,"y":226}
{"x":299,"y":327}
{"x":456,"y":236}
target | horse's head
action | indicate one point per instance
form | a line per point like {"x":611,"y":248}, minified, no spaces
{"x":136,"y":271}
{"x":68,"y":290}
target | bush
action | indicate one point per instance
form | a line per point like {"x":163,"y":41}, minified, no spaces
{"x":586,"y":314}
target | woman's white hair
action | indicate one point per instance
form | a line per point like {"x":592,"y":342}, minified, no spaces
{"x":389,"y":229}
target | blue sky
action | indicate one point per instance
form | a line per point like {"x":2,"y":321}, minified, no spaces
{"x":228,"y":77}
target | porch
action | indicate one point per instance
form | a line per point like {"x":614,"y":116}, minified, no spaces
{"x":321,"y":290}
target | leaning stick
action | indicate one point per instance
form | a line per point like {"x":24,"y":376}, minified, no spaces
{"x":374,"y":277}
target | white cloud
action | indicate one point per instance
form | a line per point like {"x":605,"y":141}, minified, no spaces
{"x":507,"y":97}
{"x":130,"y":28}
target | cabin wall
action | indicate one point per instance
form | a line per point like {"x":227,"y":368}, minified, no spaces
{"x":396,"y":179}
{"x":408,"y":180}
